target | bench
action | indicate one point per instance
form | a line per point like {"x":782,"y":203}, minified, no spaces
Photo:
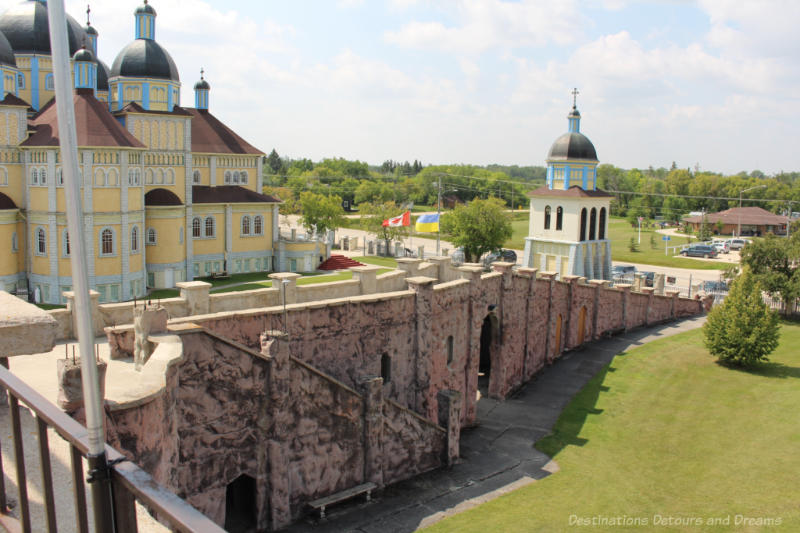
{"x":220,"y":275}
{"x":322,"y":503}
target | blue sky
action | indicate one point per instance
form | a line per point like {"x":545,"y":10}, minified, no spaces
{"x":712,"y":83}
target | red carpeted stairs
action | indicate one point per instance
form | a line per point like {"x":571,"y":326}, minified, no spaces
{"x":338,"y":262}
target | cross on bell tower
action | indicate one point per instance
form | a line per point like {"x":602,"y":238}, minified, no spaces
{"x":575,"y":94}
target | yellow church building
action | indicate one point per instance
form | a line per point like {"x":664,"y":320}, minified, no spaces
{"x":169,"y":193}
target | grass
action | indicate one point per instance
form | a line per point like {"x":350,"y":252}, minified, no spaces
{"x":664,"y":430}
{"x":389,"y":262}
{"x":48,"y":307}
{"x":620,"y":232}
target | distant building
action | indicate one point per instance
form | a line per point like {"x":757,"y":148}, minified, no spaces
{"x":169,"y":193}
{"x":752,"y":220}
{"x":568,"y":228}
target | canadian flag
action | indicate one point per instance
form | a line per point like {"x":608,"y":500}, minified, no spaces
{"x":400,"y":220}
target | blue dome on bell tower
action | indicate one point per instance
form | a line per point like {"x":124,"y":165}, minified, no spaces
{"x":572,"y":159}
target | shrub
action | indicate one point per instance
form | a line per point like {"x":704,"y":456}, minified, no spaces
{"x":742,"y":331}
{"x":632,"y":246}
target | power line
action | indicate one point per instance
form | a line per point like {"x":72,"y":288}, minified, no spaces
{"x":736,"y":198}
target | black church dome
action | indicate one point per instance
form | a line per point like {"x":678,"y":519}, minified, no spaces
{"x":102,"y":76}
{"x":572,"y":146}
{"x":6,"y":52}
{"x":27,"y":29}
{"x":145,"y":58}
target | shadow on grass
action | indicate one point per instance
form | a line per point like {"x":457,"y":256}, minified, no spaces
{"x":767,"y":370}
{"x":568,"y":427}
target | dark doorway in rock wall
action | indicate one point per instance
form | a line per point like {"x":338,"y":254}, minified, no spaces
{"x":240,"y":505}
{"x":485,"y":365}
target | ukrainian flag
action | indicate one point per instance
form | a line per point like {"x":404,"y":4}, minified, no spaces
{"x":427,"y":223}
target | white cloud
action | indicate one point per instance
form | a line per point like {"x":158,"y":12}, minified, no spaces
{"x":486,"y":24}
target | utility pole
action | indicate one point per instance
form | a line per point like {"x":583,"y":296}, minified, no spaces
{"x":439,"y":214}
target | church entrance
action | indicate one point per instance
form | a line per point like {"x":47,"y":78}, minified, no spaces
{"x":240,"y":505}
{"x":489,"y":332}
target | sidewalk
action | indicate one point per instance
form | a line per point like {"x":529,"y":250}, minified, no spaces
{"x":498,"y":455}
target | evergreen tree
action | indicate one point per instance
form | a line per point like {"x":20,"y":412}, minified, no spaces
{"x":742,"y":331}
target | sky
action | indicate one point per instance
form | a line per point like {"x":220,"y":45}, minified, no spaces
{"x":713,"y":84}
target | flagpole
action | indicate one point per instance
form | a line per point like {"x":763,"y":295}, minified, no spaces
{"x":439,"y":214}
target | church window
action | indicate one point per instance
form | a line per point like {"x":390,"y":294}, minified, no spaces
{"x":3,"y":176}
{"x":196,"y":177}
{"x":559,"y":218}
{"x":49,"y":85}
{"x":245,"y":225}
{"x":34,"y":176}
{"x":258,"y":225}
{"x":20,"y":81}
{"x":66,"y":243}
{"x":14,"y":243}
{"x":576,"y":174}
{"x":151,"y":237}
{"x":209,"y":226}
{"x":547,"y":217}
{"x":99,"y":178}
{"x":196,"y":227}
{"x":43,"y":176}
{"x":558,"y":173}
{"x":59,"y":177}
{"x":243,"y":176}
{"x":148,"y":176}
{"x":113,"y":178}
{"x":107,"y":242}
{"x":41,"y":242}
{"x":134,"y":239}
{"x":583,"y":224}
{"x":592,"y":224}
{"x":170,"y":176}
{"x":236,"y":176}
{"x":228,"y":176}
{"x":160,"y":176}
{"x":601,"y":229}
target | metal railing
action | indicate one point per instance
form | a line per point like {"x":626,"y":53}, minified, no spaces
{"x":130,"y":483}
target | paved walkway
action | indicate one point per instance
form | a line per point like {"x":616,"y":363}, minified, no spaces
{"x":498,"y":455}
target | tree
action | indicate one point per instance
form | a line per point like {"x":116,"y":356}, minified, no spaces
{"x":480,"y":226}
{"x":274,"y":163}
{"x":742,"y":331}
{"x":321,"y":213}
{"x":372,"y":219}
{"x":773,"y":262}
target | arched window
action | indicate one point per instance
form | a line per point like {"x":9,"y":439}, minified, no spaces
{"x":131,"y":176}
{"x":170,"y":176}
{"x":243,"y":176}
{"x":227,"y":176}
{"x":20,"y":81}
{"x":547,"y":217}
{"x":209,"y":226}
{"x":66,"y":243}
{"x":49,"y":85}
{"x":99,"y":178}
{"x":559,"y":218}
{"x":236,"y":176}
{"x":160,"y":176}
{"x":592,"y":224}
{"x":583,"y":224}
{"x":59,"y":177}
{"x":134,"y":239}
{"x":245,"y":225}
{"x":151,"y":236}
{"x":196,"y":177}
{"x":113,"y":178}
{"x":601,"y":227}
{"x":258,"y":225}
{"x":148,"y":176}
{"x":42,"y":176}
{"x":41,"y":242}
{"x":196,"y":227}
{"x":3,"y":176}
{"x":107,"y":242}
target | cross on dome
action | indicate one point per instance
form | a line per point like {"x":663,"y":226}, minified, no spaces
{"x":575,"y":94}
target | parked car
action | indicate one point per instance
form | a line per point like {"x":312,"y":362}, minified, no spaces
{"x":509,"y":256}
{"x":737,"y":244}
{"x":700,"y":250}
{"x":623,"y":273}
{"x":722,"y":247}
{"x":714,"y":286}
{"x":648,"y":277}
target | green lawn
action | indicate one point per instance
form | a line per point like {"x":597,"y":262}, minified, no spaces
{"x":666,"y":431}
{"x":620,"y":233}
{"x":389,"y":262}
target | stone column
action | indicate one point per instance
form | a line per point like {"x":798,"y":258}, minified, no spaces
{"x":373,"y":430}
{"x":658,"y":283}
{"x":649,"y":292}
{"x":674,"y":295}
{"x":449,"y":403}
{"x":196,"y":295}
{"x":409,"y":265}
{"x":97,"y":319}
{"x":291,"y":287}
{"x":599,"y":285}
{"x":367,"y":278}
{"x":572,"y":281}
{"x":530,"y":274}
{"x":625,"y":288}
{"x":442,"y":263}
{"x":550,"y":277}
{"x":275,"y":345}
{"x":423,"y":287}
{"x":499,"y":383}
{"x":476,"y":315}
